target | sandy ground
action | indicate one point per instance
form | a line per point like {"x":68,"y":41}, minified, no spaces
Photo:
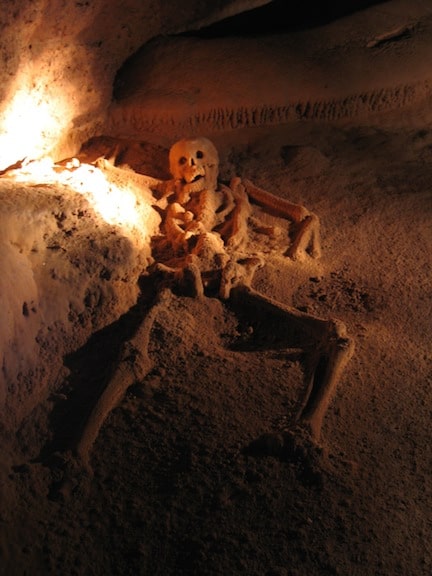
{"x":172,"y":488}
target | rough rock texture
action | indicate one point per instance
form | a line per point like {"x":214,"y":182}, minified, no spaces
{"x":345,"y":70}
{"x":41,"y":255}
{"x":61,"y":63}
{"x":58,"y":64}
{"x":59,"y":60}
{"x":174,"y":492}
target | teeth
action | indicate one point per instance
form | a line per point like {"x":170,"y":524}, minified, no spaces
{"x":189,"y":180}
{"x":196,"y":185}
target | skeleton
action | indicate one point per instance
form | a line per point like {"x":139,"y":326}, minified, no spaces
{"x":207,"y":221}
{"x":203,"y":248}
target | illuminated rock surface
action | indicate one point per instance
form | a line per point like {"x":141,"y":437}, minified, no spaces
{"x":173,"y":490}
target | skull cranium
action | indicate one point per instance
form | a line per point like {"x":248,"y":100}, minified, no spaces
{"x":194,"y":163}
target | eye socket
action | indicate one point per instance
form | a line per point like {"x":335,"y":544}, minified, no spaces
{"x":200,"y":154}
{"x":182,"y":160}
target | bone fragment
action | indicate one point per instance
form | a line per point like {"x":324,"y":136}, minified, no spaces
{"x":333,"y":351}
{"x":134,"y":364}
{"x":332,"y":359}
{"x":127,"y":174}
{"x":235,"y":230}
{"x":228,"y":204}
{"x":307,"y":236}
{"x":281,"y":207}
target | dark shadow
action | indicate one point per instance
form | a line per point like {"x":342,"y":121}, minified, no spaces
{"x":281,"y":16}
{"x":277,"y":17}
{"x":91,"y":368}
{"x":261,"y":329}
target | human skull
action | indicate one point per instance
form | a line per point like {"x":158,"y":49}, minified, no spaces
{"x":194,"y":163}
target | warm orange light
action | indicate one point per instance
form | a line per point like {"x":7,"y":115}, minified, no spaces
{"x":30,"y":126}
{"x":118,"y":204}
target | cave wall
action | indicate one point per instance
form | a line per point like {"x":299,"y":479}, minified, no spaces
{"x":65,"y":273}
{"x":59,"y":64}
{"x":59,"y":61}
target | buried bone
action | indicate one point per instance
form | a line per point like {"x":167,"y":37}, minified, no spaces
{"x":205,"y":233}
{"x":198,"y":206}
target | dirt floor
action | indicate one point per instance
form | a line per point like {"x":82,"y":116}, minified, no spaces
{"x":174,"y":488}
{"x":200,"y":468}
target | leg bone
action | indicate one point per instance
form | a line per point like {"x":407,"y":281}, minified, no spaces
{"x":333,"y":351}
{"x":134,"y":364}
{"x":307,"y":237}
{"x":331,"y":360}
